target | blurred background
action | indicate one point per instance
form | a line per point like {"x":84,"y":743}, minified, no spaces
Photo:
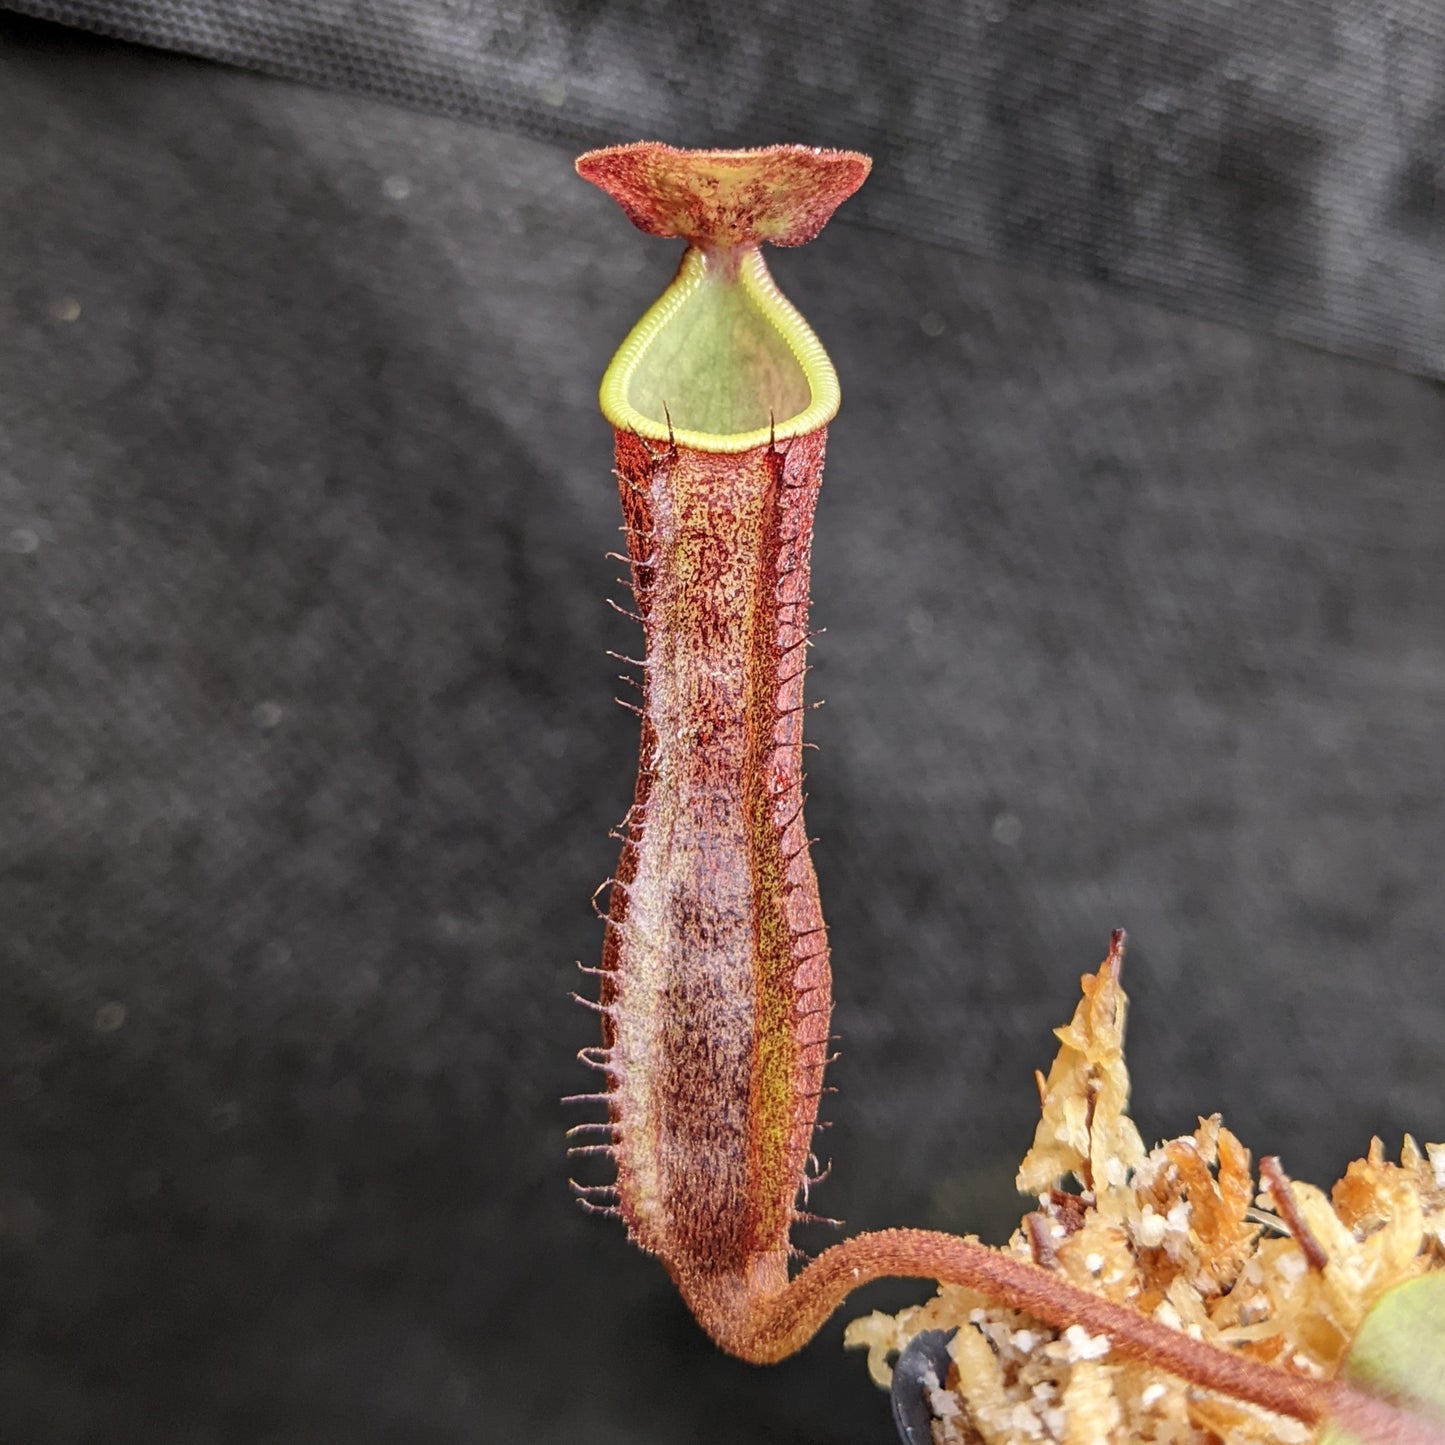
{"x":1130,"y":555}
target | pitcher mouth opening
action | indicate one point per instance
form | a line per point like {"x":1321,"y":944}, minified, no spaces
{"x":722,"y":361}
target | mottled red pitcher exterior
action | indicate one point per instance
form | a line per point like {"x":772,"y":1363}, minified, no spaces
{"x":715,"y":992}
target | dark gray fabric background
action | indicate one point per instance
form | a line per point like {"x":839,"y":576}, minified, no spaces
{"x":307,"y":754}
{"x":1277,"y":161}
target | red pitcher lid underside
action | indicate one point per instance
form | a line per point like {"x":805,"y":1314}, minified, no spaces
{"x":781,"y":194}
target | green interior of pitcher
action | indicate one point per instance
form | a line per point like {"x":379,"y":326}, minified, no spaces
{"x":722,"y":361}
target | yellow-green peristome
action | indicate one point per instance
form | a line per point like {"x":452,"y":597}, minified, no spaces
{"x":722,"y":361}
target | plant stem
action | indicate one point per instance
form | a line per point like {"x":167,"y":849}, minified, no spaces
{"x":767,"y":1328}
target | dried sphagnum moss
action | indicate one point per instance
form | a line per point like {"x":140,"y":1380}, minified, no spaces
{"x":1177,"y":1233}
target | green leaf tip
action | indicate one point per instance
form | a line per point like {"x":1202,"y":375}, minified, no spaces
{"x":1391,"y":1390}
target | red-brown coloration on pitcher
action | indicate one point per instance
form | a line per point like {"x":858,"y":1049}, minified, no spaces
{"x":783,"y":195}
{"x":715,"y":993}
{"x":715,"y":984}
{"x":714,"y":980}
